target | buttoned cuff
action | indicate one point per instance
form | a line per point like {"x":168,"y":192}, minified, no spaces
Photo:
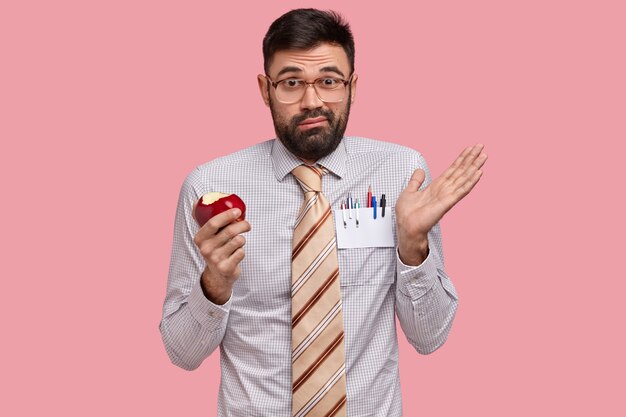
{"x":205,"y":312}
{"x":415,"y":281}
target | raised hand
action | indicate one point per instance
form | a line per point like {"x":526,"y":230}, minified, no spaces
{"x":418,"y":211}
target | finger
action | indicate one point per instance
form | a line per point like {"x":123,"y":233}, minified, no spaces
{"x":232,"y":230}
{"x":474,"y":153}
{"x":213,"y":226}
{"x":465,"y":161}
{"x":237,"y":256}
{"x":471,"y":183}
{"x":226,"y":250}
{"x":462,"y":177}
{"x":457,"y":162}
{"x":466,"y":172}
{"x":214,"y":248}
{"x":480,"y":160}
{"x":464,"y":189}
{"x":216,"y":258}
{"x":416,"y":180}
{"x":230,"y":265}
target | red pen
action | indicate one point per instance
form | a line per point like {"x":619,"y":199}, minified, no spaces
{"x":369,"y":196}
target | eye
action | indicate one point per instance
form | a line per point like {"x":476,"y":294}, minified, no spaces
{"x":291,"y":83}
{"x":329,"y":83}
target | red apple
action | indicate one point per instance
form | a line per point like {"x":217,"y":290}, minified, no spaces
{"x":212,"y":204}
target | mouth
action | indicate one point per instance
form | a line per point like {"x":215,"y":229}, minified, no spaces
{"x":312,"y":123}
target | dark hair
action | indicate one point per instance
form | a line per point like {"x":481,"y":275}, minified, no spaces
{"x":305,"y":29}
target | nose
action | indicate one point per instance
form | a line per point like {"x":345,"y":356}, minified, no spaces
{"x":310,"y":100}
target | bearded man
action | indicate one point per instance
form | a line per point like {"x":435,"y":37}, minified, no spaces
{"x":303,"y":313}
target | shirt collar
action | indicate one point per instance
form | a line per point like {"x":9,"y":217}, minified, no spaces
{"x":284,"y":161}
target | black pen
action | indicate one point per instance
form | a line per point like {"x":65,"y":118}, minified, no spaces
{"x":383,"y":202}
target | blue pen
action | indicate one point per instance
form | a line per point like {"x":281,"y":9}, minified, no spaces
{"x":374,"y":205}
{"x":350,"y":205}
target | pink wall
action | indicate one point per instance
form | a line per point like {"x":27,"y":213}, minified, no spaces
{"x":106,"y":106}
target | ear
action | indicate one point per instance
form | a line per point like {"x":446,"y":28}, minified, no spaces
{"x":355,"y":78}
{"x":263,"y":88}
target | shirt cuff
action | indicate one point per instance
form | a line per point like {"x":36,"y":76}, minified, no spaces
{"x":415,"y":281}
{"x":204,"y":311}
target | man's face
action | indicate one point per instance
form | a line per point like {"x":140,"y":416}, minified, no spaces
{"x":309,"y":128}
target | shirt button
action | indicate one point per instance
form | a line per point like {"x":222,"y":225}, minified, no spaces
{"x":211,"y":313}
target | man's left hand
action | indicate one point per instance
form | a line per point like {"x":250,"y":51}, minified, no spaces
{"x":417,"y":211}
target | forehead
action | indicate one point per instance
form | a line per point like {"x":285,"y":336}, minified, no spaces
{"x":310,"y":61}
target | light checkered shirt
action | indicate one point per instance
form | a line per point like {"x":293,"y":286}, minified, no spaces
{"x":253,"y":329}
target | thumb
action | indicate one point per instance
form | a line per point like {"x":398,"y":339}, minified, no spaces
{"x":416,"y":180}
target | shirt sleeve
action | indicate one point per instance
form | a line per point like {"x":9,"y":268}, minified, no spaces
{"x":192,"y":327}
{"x":426,"y":300}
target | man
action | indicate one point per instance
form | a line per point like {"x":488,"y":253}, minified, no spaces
{"x":244,"y":300}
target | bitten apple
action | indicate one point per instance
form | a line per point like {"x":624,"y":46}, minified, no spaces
{"x":212,"y":204}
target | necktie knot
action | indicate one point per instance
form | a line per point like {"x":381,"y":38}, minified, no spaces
{"x":309,"y":177}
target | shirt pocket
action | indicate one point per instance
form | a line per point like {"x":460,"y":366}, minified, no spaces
{"x":367,"y":266}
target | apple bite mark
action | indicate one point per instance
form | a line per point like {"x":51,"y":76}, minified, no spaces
{"x":210,"y":198}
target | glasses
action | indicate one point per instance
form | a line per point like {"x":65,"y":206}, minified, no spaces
{"x":327,"y":89}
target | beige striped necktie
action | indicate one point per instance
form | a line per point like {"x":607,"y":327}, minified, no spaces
{"x":318,"y":364}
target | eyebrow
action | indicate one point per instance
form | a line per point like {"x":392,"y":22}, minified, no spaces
{"x":288,"y":69}
{"x":299,"y":70}
{"x":333,"y":69}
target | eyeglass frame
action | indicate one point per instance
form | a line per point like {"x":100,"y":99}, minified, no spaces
{"x":312,"y":84}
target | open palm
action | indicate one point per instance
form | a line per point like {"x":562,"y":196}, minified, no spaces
{"x":417,"y":211}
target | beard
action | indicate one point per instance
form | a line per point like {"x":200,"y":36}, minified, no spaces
{"x":311,"y":144}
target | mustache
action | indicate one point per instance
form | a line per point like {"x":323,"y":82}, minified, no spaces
{"x":329,"y":115}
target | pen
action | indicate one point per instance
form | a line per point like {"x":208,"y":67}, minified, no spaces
{"x":343,"y":212}
{"x":383,"y":203}
{"x":374,"y":205}
{"x":358,"y":206}
{"x":350,"y":205}
{"x":369,"y":196}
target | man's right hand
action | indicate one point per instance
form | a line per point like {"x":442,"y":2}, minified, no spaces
{"x":221,"y":245}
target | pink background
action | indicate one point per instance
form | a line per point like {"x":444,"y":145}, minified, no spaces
{"x":105,"y":106}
